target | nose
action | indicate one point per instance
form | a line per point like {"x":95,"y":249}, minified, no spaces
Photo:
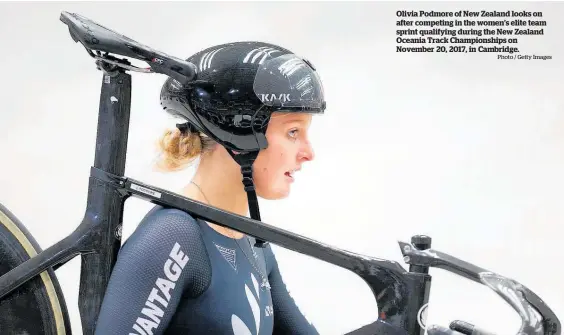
{"x":306,"y":152}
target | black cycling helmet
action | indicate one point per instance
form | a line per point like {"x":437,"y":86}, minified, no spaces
{"x":236,"y":89}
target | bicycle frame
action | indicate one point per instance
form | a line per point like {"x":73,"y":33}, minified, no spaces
{"x":400,"y":294}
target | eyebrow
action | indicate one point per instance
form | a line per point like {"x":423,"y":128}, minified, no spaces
{"x":292,"y":120}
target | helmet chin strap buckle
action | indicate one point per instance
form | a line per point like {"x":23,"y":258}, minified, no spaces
{"x":246,"y":160}
{"x":247,"y":172}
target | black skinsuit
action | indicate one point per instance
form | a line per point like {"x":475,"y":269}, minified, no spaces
{"x":177,"y":275}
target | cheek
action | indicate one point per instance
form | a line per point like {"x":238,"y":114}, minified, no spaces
{"x":270,"y":163}
{"x":279,"y":157}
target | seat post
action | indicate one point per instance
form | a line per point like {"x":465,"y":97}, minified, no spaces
{"x":102,"y":223}
{"x":113,"y":123}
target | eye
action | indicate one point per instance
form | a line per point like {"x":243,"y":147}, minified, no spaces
{"x":293,"y":133}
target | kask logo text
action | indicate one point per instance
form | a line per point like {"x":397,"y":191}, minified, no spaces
{"x":283,"y":97}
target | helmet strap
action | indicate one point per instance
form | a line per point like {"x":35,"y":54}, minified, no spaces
{"x":246,"y":161}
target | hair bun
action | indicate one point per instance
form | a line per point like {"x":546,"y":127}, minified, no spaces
{"x":178,"y":148}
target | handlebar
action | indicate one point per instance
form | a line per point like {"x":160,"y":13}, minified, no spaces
{"x":536,"y":317}
{"x":467,"y":328}
{"x":459,"y":328}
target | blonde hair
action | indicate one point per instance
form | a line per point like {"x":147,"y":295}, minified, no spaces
{"x":180,"y":148}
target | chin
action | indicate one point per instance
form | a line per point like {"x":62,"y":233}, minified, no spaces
{"x":275,"y":194}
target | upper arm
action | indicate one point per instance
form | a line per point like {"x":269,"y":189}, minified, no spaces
{"x":288,"y":319}
{"x":162,"y":260}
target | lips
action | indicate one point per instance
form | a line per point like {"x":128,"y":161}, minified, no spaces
{"x":290,"y":174}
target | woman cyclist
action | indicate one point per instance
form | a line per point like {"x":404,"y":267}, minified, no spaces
{"x":247,"y":117}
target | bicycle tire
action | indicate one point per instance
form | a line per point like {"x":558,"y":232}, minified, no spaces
{"x":38,"y":306}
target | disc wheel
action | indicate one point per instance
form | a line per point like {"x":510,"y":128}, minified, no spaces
{"x":38,"y":306}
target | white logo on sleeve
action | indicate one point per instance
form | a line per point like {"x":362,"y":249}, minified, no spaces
{"x":161,"y":293}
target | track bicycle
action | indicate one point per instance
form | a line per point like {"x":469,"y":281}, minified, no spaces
{"x":31,"y":301}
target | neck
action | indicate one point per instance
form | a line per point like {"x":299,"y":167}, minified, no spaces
{"x":219,"y":186}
